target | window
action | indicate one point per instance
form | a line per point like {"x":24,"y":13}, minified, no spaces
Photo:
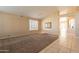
{"x":48,"y":25}
{"x":33,"y":24}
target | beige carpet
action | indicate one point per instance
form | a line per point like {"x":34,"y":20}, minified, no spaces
{"x":27,"y":44}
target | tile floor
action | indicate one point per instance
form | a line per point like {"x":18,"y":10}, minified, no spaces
{"x":67,"y":43}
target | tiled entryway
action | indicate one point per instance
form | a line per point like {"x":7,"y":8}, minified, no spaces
{"x":67,"y":43}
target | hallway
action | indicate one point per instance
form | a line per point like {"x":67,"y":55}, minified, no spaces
{"x":67,"y":43}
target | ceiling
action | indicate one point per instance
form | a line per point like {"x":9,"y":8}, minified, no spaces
{"x":68,"y":9}
{"x":37,"y":12}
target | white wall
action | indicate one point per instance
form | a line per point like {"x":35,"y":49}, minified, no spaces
{"x":14,"y":25}
{"x":77,"y":24}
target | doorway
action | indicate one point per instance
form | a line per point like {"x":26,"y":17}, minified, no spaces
{"x":63,"y":26}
